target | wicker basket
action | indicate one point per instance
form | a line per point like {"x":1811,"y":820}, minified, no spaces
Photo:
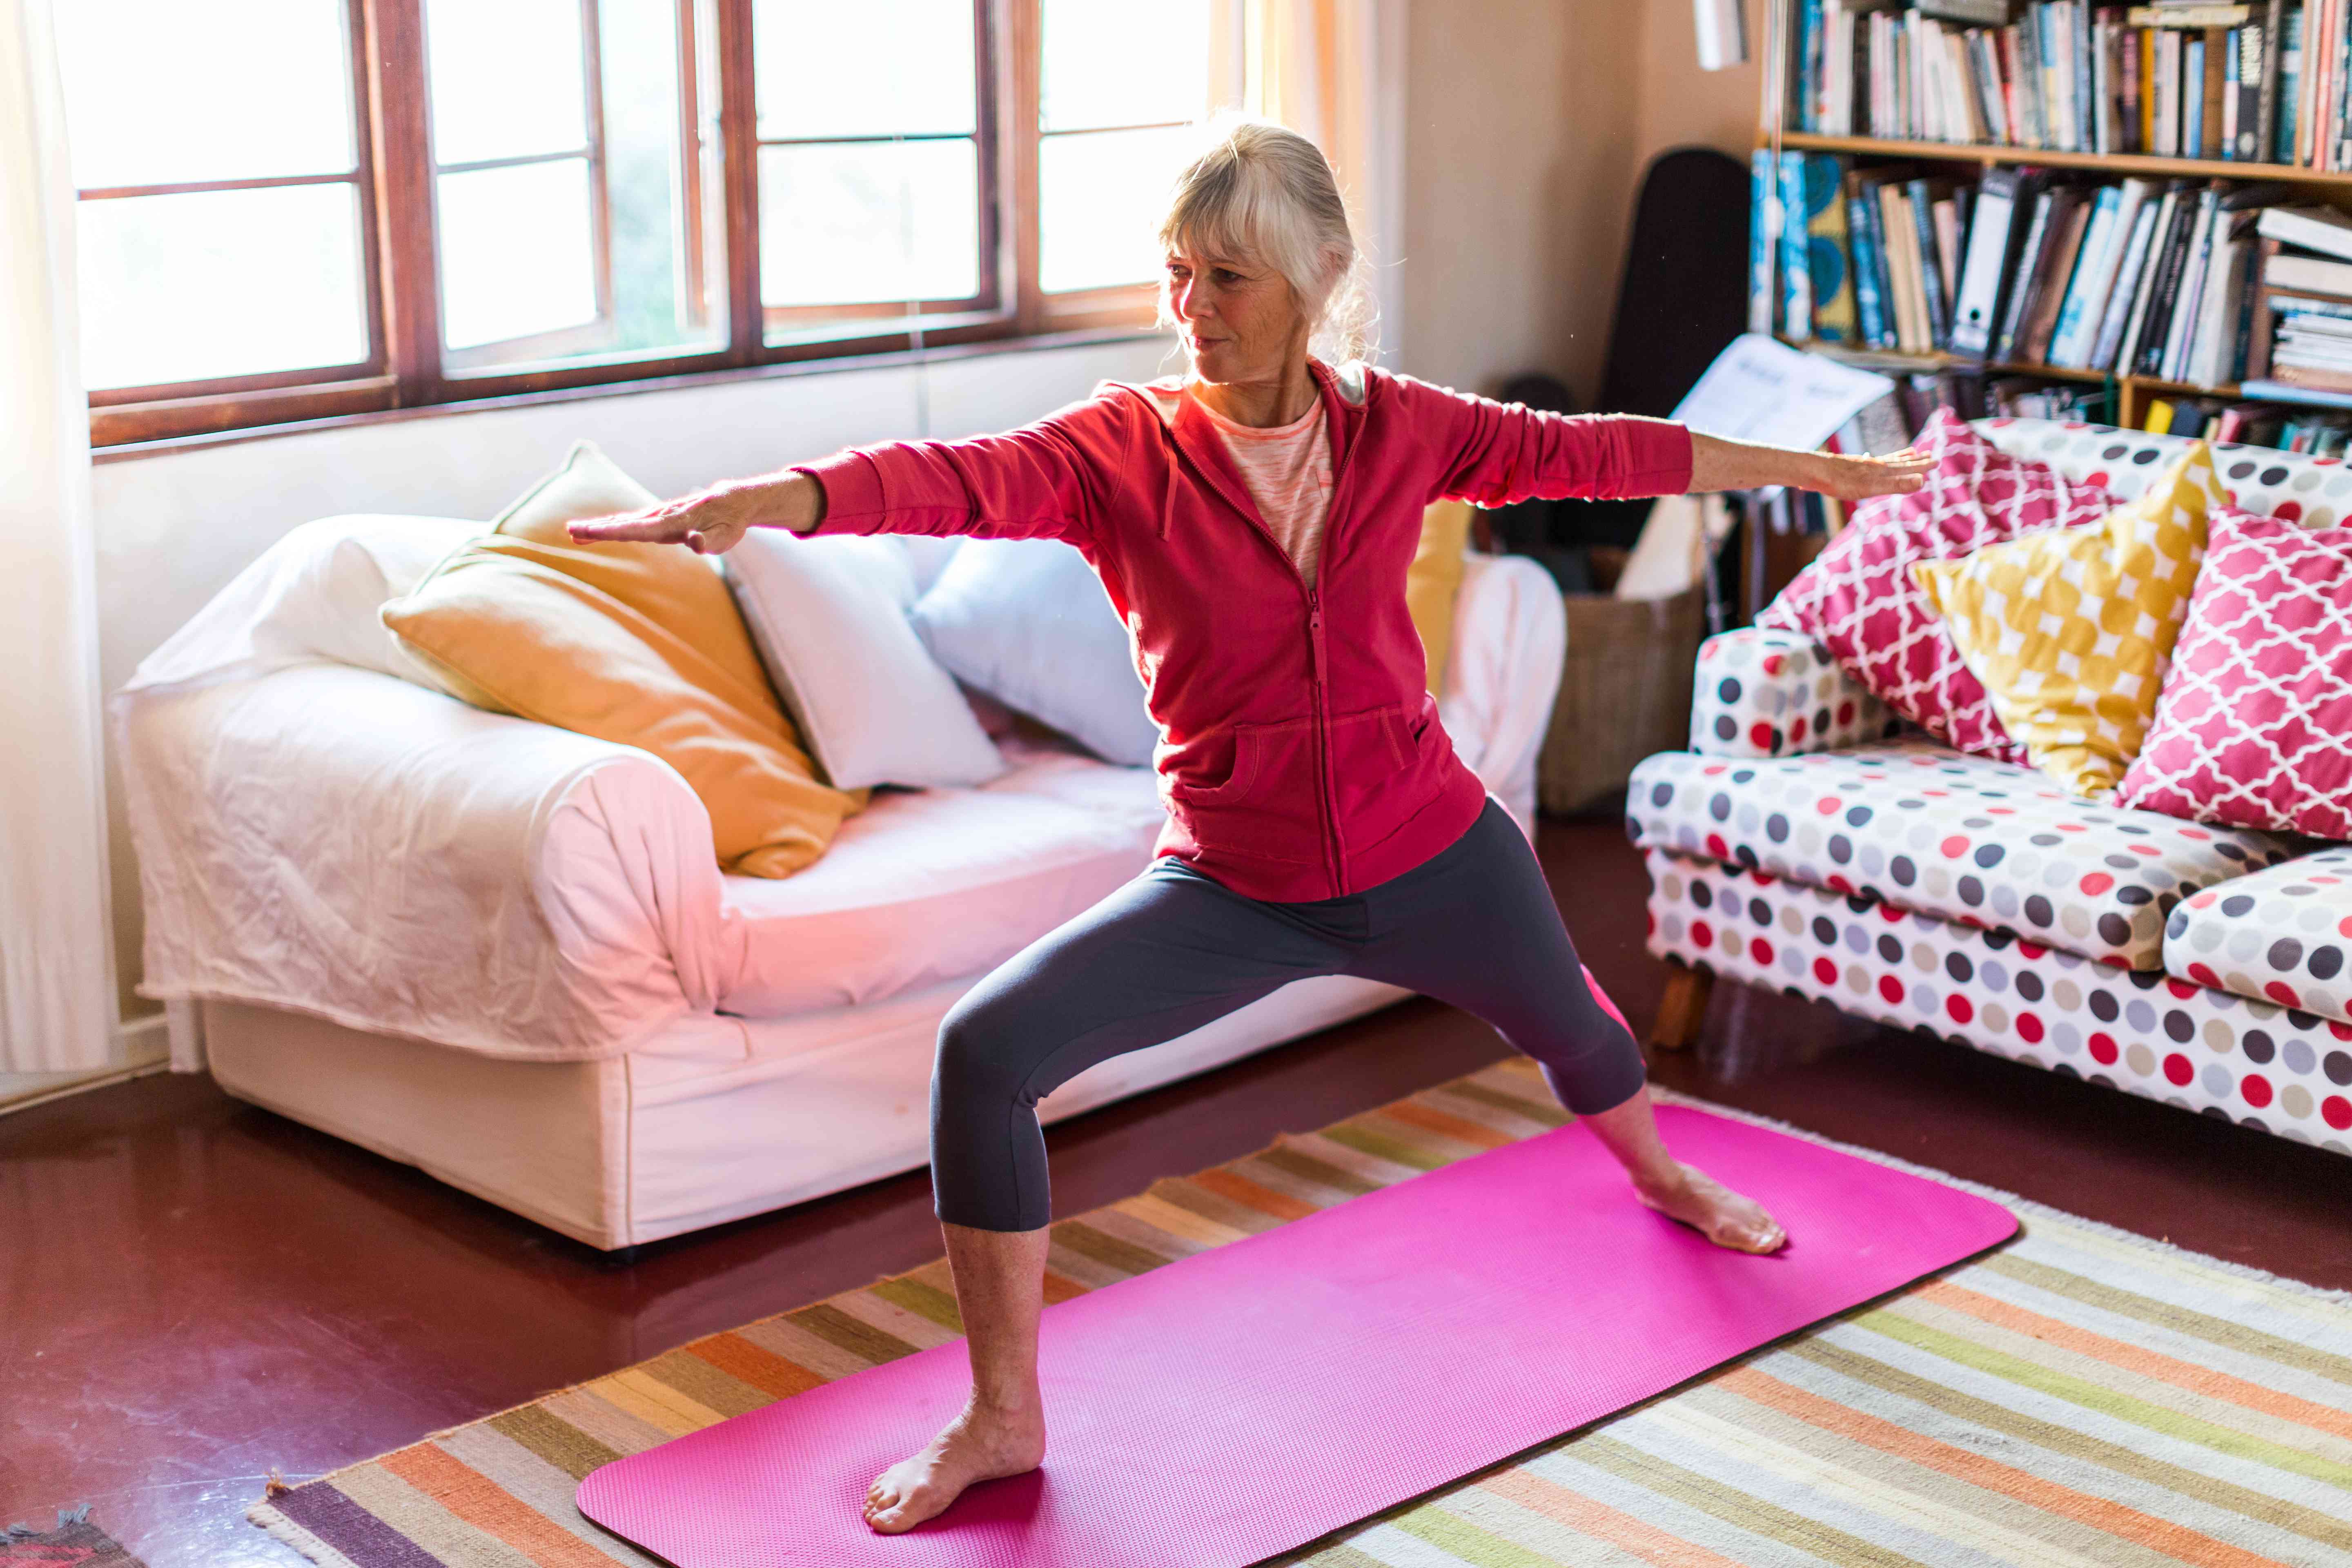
{"x":1625,"y":693}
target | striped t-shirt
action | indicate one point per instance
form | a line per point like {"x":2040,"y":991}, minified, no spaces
{"x":1288,"y":469}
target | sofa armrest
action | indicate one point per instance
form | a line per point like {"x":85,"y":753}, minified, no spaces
{"x":1502,"y":677}
{"x":341,"y":843}
{"x":1762,"y":693}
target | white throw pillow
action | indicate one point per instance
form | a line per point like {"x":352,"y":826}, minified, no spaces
{"x":929,"y":556}
{"x":829,"y":617}
{"x":311,"y":596}
{"x":1026,"y":621}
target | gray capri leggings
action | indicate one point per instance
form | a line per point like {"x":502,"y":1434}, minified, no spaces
{"x":1474,"y":926}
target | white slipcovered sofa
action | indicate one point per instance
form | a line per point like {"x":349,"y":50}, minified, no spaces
{"x":503,"y":953}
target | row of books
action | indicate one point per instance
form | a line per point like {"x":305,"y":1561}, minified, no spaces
{"x":2197,"y":282}
{"x":1893,"y":422}
{"x":2176,"y":79}
{"x":2320,"y":434}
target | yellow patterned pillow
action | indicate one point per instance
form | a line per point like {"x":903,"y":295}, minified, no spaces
{"x":2070,"y":630}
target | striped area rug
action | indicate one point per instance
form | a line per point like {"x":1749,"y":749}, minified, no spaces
{"x":2078,"y":1399}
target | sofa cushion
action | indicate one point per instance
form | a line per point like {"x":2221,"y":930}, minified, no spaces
{"x":932,"y":884}
{"x":2254,"y":727}
{"x":2280,"y":935}
{"x":1857,"y":598}
{"x":2070,"y":631}
{"x":1936,"y":831}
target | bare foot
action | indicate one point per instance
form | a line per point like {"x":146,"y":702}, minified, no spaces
{"x":1714,"y":1210}
{"x":981,"y":1445}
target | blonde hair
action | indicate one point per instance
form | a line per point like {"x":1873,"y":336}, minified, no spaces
{"x":1264,"y":190}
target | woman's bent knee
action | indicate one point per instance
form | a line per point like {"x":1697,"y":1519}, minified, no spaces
{"x":983,"y":1056}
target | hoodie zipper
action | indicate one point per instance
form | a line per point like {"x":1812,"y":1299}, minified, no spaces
{"x":1314,"y":635}
{"x":1326,"y":807}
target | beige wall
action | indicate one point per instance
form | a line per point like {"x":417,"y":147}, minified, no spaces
{"x":1683,"y":106}
{"x":1530,"y":123}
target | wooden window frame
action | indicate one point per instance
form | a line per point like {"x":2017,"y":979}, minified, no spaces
{"x":407,"y":366}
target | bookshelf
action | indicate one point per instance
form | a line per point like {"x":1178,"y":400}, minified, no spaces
{"x":2131,"y":395}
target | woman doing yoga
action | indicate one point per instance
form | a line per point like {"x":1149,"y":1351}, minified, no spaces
{"x":1251,"y":522}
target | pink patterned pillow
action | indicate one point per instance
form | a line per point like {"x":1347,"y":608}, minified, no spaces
{"x":1857,"y":599}
{"x":2254,"y":723}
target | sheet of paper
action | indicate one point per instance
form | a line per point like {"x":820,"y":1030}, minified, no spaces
{"x":1764,"y":391}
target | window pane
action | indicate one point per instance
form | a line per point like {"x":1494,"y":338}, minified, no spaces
{"x":872,"y":69}
{"x":164,"y":93}
{"x":517,"y":252}
{"x":660,"y":299}
{"x":1101,"y":197}
{"x":869,"y":221}
{"x":520,"y":253}
{"x":508,"y":78}
{"x":219,"y":283}
{"x":1110,"y":64}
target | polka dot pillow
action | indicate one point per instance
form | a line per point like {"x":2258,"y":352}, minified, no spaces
{"x":2253,"y":726}
{"x":2314,"y":492}
{"x":1858,"y":599}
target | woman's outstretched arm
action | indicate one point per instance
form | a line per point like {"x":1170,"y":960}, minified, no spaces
{"x":1497,"y":453}
{"x":1043,"y":480}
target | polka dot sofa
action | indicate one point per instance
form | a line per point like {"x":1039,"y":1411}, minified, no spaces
{"x":1813,"y":842}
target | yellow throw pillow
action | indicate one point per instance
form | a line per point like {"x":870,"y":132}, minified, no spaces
{"x":1433,"y":579}
{"x":637,"y":644}
{"x":2070,"y":630}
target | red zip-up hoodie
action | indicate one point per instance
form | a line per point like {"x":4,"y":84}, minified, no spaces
{"x":1300,"y":756}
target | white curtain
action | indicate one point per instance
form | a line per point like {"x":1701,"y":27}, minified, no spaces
{"x":56,"y":968}
{"x":1333,"y":70}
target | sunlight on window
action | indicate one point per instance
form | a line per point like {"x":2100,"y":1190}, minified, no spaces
{"x":220,"y":283}
{"x":848,"y":214}
{"x":161,"y":92}
{"x":204,"y":285}
{"x":1099,"y":198}
{"x":507,"y":79}
{"x":516,"y":257}
{"x":1111,"y":65}
{"x":1121,"y":88}
{"x":878,"y":67}
{"x":862,"y":221}
{"x":599,"y":216}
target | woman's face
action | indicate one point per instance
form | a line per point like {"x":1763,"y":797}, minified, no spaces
{"x":1240,"y":319}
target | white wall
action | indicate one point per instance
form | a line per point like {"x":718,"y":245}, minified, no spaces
{"x":175,"y":526}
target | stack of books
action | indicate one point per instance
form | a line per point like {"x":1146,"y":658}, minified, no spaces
{"x":2024,"y":266}
{"x":2176,"y":79}
{"x":2302,"y":305}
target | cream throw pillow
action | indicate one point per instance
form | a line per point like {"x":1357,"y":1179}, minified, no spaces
{"x":1433,"y":579}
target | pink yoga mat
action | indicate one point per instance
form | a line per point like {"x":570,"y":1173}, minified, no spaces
{"x":1239,"y":1403}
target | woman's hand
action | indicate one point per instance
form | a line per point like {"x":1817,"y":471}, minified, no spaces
{"x":713,"y":521}
{"x":1858,"y":478}
{"x":1720,"y":465}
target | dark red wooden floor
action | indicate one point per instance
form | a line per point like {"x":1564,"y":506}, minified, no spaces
{"x":195,"y":1293}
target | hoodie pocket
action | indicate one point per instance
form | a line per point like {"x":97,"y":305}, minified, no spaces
{"x":1269,"y":803}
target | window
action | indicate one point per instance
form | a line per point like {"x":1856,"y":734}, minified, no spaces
{"x":297,"y":208}
{"x":569,"y":181}
{"x":224,"y":225}
{"x":1111,"y":138}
